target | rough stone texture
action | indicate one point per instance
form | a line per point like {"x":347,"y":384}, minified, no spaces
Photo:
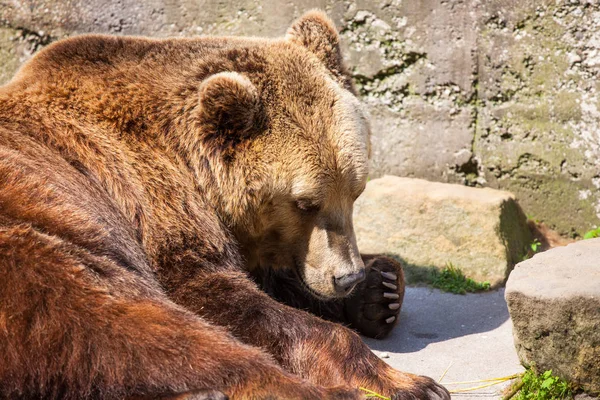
{"x":554,"y":302}
{"x":429,"y":224}
{"x":499,"y":93}
{"x":537,"y":131}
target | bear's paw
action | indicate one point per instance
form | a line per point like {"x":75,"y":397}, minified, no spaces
{"x":374,"y":306}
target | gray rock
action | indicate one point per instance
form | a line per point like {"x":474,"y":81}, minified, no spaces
{"x":429,"y":224}
{"x":554,"y":303}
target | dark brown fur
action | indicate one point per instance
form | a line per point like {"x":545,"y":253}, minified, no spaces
{"x":134,"y":177}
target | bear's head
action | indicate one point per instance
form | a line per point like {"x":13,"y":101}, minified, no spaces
{"x":290,"y":145}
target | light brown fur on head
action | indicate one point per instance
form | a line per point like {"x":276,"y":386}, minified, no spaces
{"x":315,"y":151}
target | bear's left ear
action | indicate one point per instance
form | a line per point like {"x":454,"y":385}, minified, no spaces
{"x":230,"y":108}
{"x":315,"y":31}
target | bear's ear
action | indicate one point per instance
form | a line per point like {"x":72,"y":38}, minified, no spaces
{"x":315,"y":31}
{"x":230,"y":108}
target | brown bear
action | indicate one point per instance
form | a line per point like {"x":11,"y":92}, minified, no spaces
{"x":149,"y":189}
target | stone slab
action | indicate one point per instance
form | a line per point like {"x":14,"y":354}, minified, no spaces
{"x":429,"y":224}
{"x":554,"y":302}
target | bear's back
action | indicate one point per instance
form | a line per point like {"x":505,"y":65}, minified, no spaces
{"x":91,"y":55}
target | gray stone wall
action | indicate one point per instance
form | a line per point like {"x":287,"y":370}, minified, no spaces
{"x":498,"y":93}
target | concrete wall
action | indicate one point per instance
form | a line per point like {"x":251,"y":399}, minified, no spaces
{"x":499,"y":93}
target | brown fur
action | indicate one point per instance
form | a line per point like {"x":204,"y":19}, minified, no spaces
{"x":142,"y":180}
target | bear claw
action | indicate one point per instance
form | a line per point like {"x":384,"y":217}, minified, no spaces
{"x":374,"y":307}
{"x":389,"y":275}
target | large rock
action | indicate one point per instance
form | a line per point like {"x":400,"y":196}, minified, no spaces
{"x":429,"y":224}
{"x":554,"y":302}
{"x":498,"y":93}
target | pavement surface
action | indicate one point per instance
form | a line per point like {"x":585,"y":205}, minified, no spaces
{"x":471,"y":334}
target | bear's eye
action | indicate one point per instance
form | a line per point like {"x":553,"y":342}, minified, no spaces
{"x":308,"y":206}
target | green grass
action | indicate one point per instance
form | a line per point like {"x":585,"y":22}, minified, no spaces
{"x":594,"y":233}
{"x":452,"y":279}
{"x":534,"y":247}
{"x":543,"y":386}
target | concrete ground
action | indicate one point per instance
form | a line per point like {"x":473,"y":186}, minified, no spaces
{"x":470,"y":333}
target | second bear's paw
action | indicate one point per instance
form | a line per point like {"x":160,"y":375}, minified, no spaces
{"x":374,"y":306}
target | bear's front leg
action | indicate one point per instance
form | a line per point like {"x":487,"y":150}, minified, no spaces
{"x":374,"y":306}
{"x":323,"y":352}
{"x":332,"y":350}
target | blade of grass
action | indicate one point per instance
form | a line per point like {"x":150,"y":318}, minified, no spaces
{"x":513,"y":391}
{"x":504,"y":378}
{"x":445,"y":371}
{"x":371,"y":393}
{"x":478,"y":387}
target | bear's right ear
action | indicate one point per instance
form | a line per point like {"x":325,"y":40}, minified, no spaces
{"x":316,"y":32}
{"x":230,"y":108}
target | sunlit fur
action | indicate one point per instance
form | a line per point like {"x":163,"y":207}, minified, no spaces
{"x":318,"y":161}
{"x":142,"y":180}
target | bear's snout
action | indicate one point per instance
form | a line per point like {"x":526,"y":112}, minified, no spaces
{"x":345,"y":283}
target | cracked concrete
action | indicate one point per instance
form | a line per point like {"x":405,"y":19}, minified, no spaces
{"x":498,"y":93}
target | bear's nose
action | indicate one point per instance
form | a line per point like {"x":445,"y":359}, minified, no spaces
{"x":345,"y":283}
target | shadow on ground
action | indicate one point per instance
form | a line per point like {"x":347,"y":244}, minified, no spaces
{"x":429,"y":316}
